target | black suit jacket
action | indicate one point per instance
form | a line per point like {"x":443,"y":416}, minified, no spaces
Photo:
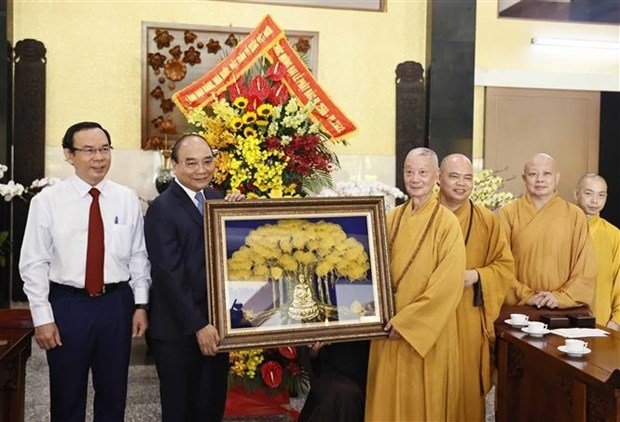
{"x":173,"y":229}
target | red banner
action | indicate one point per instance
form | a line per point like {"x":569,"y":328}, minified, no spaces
{"x":246,"y":53}
{"x":267,"y":40}
{"x":302,"y":84}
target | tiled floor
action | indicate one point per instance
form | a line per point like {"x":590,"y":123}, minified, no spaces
{"x":143,"y":394}
{"x":142,"y":397}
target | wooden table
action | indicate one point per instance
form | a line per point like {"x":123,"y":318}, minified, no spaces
{"x":537,"y":382}
{"x":15,"y":348}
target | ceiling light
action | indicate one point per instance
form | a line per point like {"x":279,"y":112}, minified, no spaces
{"x":560,"y":42}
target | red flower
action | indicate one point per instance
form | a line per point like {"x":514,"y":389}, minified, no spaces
{"x":288,"y":352}
{"x":276,"y":72}
{"x":236,"y":90}
{"x":278,"y":94}
{"x":305,"y":156}
{"x":294,"y":369}
{"x":253,"y":103}
{"x":272,"y":143}
{"x":272,"y":373}
{"x":259,"y":88}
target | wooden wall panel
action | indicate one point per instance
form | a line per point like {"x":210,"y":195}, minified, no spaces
{"x":522,"y":122}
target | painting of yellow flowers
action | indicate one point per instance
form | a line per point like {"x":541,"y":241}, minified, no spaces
{"x":298,"y":270}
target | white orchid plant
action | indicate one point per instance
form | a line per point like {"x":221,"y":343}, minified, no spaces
{"x":391,"y":193}
{"x":12,"y":190}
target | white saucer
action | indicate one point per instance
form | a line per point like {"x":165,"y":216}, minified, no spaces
{"x":507,"y":321}
{"x":535,"y":334}
{"x":574,"y":354}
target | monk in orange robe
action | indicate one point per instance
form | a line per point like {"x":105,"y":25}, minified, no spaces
{"x":415,"y":373}
{"x":591,"y":196}
{"x":554,"y":258}
{"x":489,"y":273}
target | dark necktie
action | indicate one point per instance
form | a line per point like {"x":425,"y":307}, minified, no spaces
{"x":95,"y":249}
{"x":200,"y":199}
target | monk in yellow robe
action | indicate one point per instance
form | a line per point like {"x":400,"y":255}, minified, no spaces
{"x":489,"y":273}
{"x":554,"y":258}
{"x":591,"y":196}
{"x":414,"y":374}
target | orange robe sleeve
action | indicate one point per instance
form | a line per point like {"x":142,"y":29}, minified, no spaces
{"x":606,"y":240}
{"x":423,"y":318}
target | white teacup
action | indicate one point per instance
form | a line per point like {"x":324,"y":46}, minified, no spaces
{"x":536,"y":327}
{"x":519,"y":319}
{"x":575,"y":346}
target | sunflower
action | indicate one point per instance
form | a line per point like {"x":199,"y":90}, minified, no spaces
{"x":241,"y":102}
{"x":264,"y":110}
{"x":249,"y":131}
{"x":236,"y":123}
{"x":249,"y":118}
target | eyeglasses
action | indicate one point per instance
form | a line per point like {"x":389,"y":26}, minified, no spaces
{"x":104,"y":150}
{"x":192,"y":165}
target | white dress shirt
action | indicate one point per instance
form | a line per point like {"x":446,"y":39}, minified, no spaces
{"x":188,"y":191}
{"x":55,"y":242}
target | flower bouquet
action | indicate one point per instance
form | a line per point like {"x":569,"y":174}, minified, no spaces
{"x":269,"y":369}
{"x":266,"y":143}
{"x":261,"y":381}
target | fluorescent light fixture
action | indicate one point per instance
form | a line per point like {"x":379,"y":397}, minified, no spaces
{"x":561,"y":42}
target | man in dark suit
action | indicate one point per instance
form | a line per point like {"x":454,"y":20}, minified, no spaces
{"x":192,"y":374}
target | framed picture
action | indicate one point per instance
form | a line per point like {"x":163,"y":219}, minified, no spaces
{"x":369,"y":5}
{"x":175,"y":55}
{"x":296,"y":271}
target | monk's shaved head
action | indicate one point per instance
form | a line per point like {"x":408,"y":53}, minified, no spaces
{"x":420,"y":174}
{"x":424,"y":152}
{"x":590,"y":177}
{"x":591,"y":194}
{"x":538,"y":159}
{"x":453,"y":159}
{"x":456,"y":180}
{"x":541,"y":177}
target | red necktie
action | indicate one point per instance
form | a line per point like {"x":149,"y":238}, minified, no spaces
{"x":95,"y":248}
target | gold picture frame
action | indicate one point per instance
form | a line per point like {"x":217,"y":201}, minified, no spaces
{"x":297,"y":271}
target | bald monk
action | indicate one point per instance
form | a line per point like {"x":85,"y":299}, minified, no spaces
{"x":414,"y":374}
{"x":591,"y":195}
{"x":489,"y":273}
{"x":554,"y":258}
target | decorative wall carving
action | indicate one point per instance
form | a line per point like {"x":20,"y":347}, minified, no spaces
{"x":410,"y":113}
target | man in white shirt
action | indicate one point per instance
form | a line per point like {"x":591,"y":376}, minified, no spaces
{"x":83,"y":327}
